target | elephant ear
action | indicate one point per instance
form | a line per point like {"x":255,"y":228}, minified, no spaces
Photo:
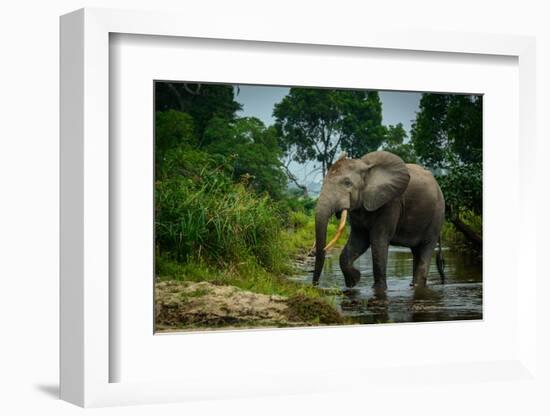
{"x":387,"y":177}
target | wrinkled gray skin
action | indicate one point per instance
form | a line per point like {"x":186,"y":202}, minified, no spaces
{"x":388,"y":202}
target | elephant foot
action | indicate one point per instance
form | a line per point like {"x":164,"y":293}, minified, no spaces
{"x":352,"y":277}
{"x":414,"y":283}
{"x":379,"y":286}
{"x":351,"y":283}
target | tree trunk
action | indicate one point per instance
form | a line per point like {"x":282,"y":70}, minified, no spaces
{"x":470,"y":234}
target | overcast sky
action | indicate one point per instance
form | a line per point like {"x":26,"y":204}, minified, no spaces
{"x":258,"y":101}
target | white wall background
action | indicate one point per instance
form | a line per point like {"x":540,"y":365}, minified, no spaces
{"x":29,"y":116}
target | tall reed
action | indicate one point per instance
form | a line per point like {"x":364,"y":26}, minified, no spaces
{"x":202,"y":215}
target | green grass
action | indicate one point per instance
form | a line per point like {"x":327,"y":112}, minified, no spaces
{"x":310,"y":303}
{"x":300,"y":237}
{"x":313,"y":310}
{"x":210,"y":228}
{"x":245,"y":275}
{"x":202,"y":216}
{"x":248,"y":273}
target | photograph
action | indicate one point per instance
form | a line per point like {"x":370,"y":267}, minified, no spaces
{"x":300,"y":206}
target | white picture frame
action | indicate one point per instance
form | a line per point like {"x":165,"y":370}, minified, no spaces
{"x":85,"y":353}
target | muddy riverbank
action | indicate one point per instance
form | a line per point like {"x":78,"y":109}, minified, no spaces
{"x":186,"y":306}
{"x":202,"y":305}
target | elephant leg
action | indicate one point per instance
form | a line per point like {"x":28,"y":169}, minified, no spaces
{"x":415,"y":254}
{"x":379,"y":263}
{"x":357,"y":244}
{"x":422,"y":257}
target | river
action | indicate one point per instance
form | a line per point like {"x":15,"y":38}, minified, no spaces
{"x":460,"y":298}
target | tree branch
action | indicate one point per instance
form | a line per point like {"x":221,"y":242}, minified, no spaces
{"x":470,"y":234}
{"x":466,"y":230}
{"x":179,"y":98}
{"x":294,"y":179}
{"x":190,"y":91}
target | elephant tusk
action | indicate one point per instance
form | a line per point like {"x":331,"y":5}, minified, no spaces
{"x":340,"y":230}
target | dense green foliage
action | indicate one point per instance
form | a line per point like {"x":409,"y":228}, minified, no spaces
{"x":222,"y":212}
{"x":447,"y":138}
{"x":203,"y":102}
{"x":395,"y":143}
{"x":204,"y":214}
{"x":315,"y":124}
{"x":255,"y":153}
{"x":245,"y":146}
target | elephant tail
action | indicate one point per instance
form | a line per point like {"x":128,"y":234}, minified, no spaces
{"x":440,"y":262}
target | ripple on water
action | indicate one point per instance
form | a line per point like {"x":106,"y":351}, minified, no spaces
{"x":461,"y":297}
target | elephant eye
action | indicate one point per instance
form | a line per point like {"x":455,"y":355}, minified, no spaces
{"x":347,"y":182}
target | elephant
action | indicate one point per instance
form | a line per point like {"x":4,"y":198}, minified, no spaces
{"x":389,"y":203}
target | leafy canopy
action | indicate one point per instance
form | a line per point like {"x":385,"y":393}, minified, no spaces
{"x":447,"y":137}
{"x":201,"y":101}
{"x":315,"y":124}
{"x":395,"y":143}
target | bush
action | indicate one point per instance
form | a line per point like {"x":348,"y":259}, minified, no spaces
{"x":173,"y":129}
{"x":254,"y":153}
{"x":202,"y":215}
{"x":298,"y":219}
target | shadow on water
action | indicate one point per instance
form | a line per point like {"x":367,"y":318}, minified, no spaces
{"x":459,"y":298}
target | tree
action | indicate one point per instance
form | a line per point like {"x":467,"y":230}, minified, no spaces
{"x":395,"y":135}
{"x":395,"y":143}
{"x":362,"y":123}
{"x":201,"y":101}
{"x":315,"y":124}
{"x":254,"y":152}
{"x":448,"y":128}
{"x":447,"y":137}
{"x":173,"y":130}
{"x":465,"y":127}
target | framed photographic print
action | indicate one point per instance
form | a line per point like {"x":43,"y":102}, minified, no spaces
{"x":247,"y":178}
{"x":230,"y":198}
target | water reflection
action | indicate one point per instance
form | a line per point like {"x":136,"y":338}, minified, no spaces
{"x":459,"y":298}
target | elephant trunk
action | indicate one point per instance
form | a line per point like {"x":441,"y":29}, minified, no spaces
{"x":321,"y":221}
{"x":325,"y":209}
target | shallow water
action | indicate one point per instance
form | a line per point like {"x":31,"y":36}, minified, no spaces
{"x":459,"y":298}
